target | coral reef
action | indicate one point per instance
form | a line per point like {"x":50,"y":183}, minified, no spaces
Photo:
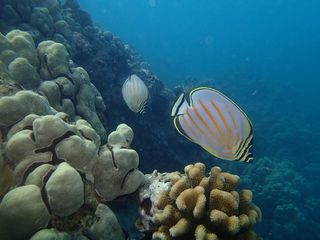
{"x":22,"y":211}
{"x":52,"y":160}
{"x":290,"y":210}
{"x":56,"y":140}
{"x":50,"y":146}
{"x":67,"y":88}
{"x":108,"y":61}
{"x":55,"y":169}
{"x":116,"y":170}
{"x":193,"y":206}
{"x":40,"y":37}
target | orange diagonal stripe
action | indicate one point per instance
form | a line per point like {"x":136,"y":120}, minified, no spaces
{"x":224,"y":122}
{"x":234,"y":125}
{"x":207,"y":127}
{"x":213,"y":121}
{"x":185,"y":122}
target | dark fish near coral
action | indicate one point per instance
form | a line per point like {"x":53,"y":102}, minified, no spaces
{"x":135,"y":93}
{"x":214,"y":122}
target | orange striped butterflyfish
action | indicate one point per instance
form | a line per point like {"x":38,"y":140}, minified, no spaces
{"x":135,"y":93}
{"x":216,"y":123}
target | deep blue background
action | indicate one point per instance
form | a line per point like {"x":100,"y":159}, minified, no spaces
{"x":208,"y":39}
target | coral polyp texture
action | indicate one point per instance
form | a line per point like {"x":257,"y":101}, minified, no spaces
{"x":193,"y":206}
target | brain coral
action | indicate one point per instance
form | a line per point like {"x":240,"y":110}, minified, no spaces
{"x":193,"y":206}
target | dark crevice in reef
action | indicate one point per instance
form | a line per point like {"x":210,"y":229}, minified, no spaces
{"x":30,"y":169}
{"x":125,"y":177}
{"x":84,"y":135}
{"x":113,"y":160}
{"x":61,"y":75}
{"x":51,"y":148}
{"x":75,"y":102}
{"x":44,"y":192}
{"x":46,"y":64}
{"x":67,"y":76}
{"x":61,"y":88}
{"x":112,"y":156}
{"x":62,"y":95}
{"x":28,"y":127}
{"x":33,"y":138}
{"x":88,"y":234}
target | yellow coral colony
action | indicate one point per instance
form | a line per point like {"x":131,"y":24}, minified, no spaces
{"x":194,"y":206}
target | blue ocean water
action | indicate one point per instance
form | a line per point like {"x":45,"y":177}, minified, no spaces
{"x":265,"y":56}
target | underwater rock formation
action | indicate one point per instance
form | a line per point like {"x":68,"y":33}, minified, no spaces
{"x":6,"y":175}
{"x":193,"y":206}
{"x":56,"y":168}
{"x":109,"y":62}
{"x":50,"y":139}
{"x":291,"y":211}
{"x":14,"y":109}
{"x":51,"y":135}
{"x":116,"y":170}
{"x":66,"y":87}
{"x":22,"y":211}
{"x":105,"y":225}
{"x":50,"y":234}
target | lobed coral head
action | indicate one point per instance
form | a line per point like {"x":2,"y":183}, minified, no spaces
{"x":193,"y":206}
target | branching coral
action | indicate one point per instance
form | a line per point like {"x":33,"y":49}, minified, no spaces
{"x":193,"y":206}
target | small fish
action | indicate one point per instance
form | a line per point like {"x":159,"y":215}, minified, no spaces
{"x":135,"y":93}
{"x":214,"y":122}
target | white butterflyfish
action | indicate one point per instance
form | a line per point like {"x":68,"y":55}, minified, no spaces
{"x":216,"y":123}
{"x":135,"y":93}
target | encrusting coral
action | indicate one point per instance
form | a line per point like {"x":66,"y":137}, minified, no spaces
{"x":193,"y":206}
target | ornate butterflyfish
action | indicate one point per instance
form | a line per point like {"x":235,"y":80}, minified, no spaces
{"x":135,"y":93}
{"x":216,"y":123}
